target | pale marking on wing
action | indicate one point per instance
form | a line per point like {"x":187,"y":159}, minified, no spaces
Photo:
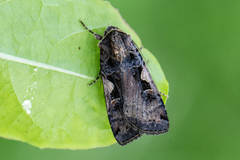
{"x":145,"y":74}
{"x":110,"y":86}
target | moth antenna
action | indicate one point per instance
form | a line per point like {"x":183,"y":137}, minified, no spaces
{"x":147,"y":61}
{"x":164,"y":95}
{"x":95,"y":79}
{"x":139,"y":49}
{"x":97,"y":36}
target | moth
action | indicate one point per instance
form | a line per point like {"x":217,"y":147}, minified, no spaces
{"x":134,"y":104}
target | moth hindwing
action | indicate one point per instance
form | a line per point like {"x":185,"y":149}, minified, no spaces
{"x":134,"y":104}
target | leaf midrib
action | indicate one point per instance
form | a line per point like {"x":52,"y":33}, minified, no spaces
{"x":12,"y":58}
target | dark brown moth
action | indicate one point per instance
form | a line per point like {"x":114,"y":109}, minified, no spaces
{"x":134,"y":104}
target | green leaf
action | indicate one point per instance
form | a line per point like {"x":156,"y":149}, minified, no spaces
{"x":44,"y":98}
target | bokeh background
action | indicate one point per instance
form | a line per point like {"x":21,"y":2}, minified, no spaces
{"x":198,"y":46}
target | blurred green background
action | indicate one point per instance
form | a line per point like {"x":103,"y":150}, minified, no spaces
{"x":198,"y":46}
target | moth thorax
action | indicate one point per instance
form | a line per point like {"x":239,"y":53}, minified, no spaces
{"x":118,"y":46}
{"x":119,"y":54}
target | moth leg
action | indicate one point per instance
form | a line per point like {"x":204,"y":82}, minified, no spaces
{"x":97,"y":36}
{"x":138,"y":48}
{"x":164,"y":94}
{"x":96,"y":78}
{"x":147,"y":61}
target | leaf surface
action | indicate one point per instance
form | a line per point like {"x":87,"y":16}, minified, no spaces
{"x":44,"y":97}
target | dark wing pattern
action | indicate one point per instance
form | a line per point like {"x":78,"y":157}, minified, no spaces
{"x":143,"y":106}
{"x":122,"y":130}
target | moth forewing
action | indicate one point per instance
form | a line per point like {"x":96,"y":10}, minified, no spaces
{"x":148,"y":112}
{"x":122,"y":131}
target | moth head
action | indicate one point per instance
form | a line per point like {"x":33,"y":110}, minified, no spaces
{"x":109,"y":29}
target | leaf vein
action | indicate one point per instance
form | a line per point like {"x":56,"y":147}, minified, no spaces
{"x":12,"y":58}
